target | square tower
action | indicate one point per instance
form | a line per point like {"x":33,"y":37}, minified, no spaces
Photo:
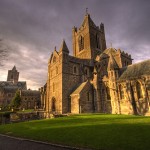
{"x":13,"y":75}
{"x":89,"y":39}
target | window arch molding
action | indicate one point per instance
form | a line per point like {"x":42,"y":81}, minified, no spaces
{"x":75,"y":69}
{"x":54,"y":59}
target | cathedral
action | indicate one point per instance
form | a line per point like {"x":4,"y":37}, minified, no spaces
{"x":96,"y":79}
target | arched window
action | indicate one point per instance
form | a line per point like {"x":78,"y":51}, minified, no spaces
{"x":88,"y":96}
{"x":56,"y":70}
{"x":53,"y":104}
{"x":53,"y":87}
{"x":81,"y":43}
{"x":97,"y":42}
{"x":108,"y":93}
{"x":75,"y":70}
{"x":139,"y":90}
{"x":121,"y":91}
{"x":54,"y":59}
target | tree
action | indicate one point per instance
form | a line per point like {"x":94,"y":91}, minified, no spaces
{"x":3,"y":52}
{"x":16,"y":101}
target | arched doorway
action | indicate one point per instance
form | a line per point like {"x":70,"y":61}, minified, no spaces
{"x":53,"y":104}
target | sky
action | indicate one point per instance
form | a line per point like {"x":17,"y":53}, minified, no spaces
{"x":30,"y":29}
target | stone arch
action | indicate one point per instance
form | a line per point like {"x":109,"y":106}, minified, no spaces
{"x":75,"y":69}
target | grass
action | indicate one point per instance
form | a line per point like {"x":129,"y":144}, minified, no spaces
{"x":26,"y":111}
{"x":97,"y":131}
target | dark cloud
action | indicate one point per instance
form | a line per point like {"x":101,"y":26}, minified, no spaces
{"x":31,"y":29}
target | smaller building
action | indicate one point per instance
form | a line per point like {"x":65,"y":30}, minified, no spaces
{"x":30,"y":99}
{"x":8,"y":88}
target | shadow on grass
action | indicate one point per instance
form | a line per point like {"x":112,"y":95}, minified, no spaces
{"x":117,"y":133}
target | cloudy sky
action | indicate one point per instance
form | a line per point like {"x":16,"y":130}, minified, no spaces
{"x":30,"y":29}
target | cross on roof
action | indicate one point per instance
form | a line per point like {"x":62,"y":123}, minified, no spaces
{"x":86,"y":11}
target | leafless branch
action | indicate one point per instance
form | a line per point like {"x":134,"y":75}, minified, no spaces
{"x":3,"y":52}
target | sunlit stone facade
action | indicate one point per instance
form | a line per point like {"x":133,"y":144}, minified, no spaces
{"x":95,"y":78}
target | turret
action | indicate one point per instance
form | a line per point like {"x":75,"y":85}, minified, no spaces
{"x":64,"y":48}
{"x":64,"y":52}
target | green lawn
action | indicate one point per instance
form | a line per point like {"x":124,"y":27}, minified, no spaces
{"x":26,"y":111}
{"x":107,"y":132}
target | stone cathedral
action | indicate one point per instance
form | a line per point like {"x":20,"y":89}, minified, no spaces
{"x":96,"y":78}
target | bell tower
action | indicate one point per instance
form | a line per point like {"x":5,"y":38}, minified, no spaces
{"x":89,"y":39}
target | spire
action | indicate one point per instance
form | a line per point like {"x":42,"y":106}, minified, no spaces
{"x":64,"y":47}
{"x":87,"y":19}
{"x":112,"y":65}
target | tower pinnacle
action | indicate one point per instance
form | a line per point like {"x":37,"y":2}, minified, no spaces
{"x":86,"y":11}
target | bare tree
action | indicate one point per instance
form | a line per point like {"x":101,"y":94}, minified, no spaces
{"x":3,"y":52}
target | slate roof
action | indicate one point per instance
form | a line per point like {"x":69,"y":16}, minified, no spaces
{"x":79,"y":88}
{"x":10,"y":86}
{"x":30,"y":93}
{"x":110,"y":50}
{"x":136,"y":70}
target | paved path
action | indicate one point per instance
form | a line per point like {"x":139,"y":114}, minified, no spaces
{"x":9,"y":143}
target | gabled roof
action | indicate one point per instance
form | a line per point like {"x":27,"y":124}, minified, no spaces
{"x":112,"y":65}
{"x":136,"y":70}
{"x":55,"y":53}
{"x":30,"y":92}
{"x":79,"y":88}
{"x":110,"y":50}
{"x":11,"y":85}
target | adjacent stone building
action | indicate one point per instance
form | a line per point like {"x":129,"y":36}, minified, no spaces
{"x":29,"y":99}
{"x":43,"y":96}
{"x":95,"y":78}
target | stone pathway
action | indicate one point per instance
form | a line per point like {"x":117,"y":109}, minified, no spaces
{"x":10,"y":143}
